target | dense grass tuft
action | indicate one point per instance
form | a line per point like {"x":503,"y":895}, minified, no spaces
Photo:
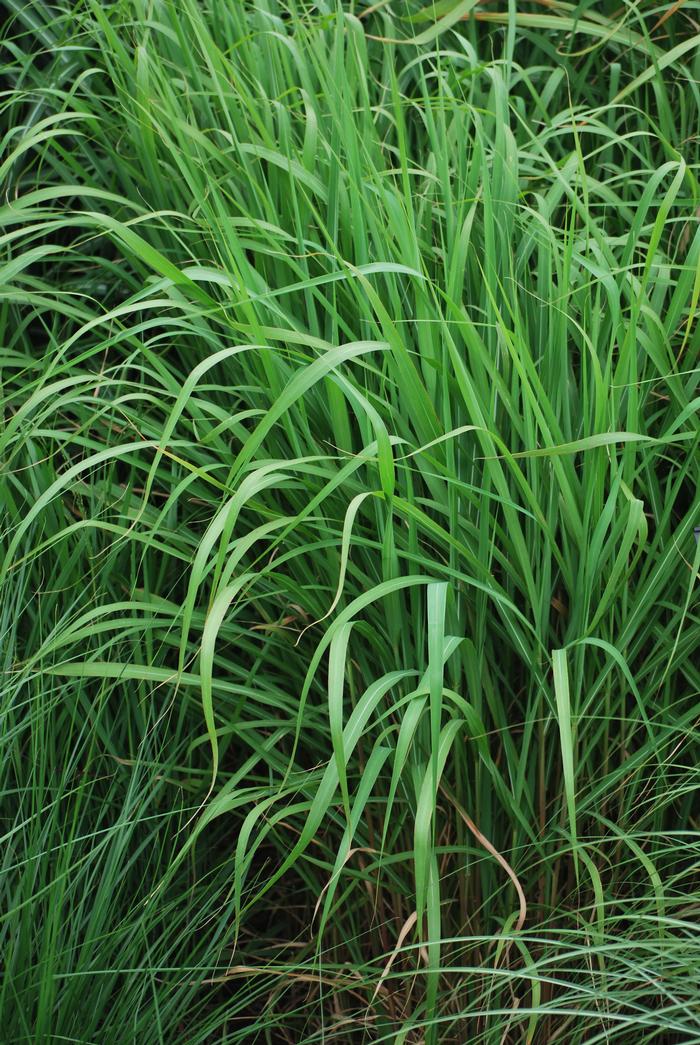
{"x":349,"y":371}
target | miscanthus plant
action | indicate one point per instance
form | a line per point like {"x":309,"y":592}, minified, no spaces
{"x":349,"y":448}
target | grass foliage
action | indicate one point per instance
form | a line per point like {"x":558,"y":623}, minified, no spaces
{"x":350,"y":386}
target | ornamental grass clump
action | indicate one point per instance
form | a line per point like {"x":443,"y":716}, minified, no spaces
{"x":349,"y":482}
